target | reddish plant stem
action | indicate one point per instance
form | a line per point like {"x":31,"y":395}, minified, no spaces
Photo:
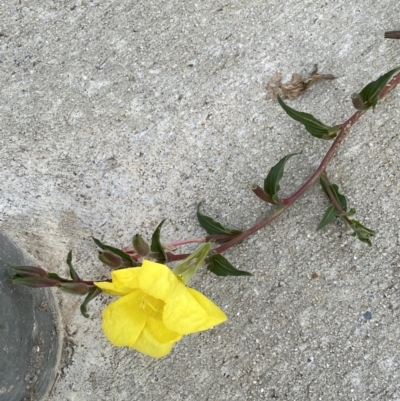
{"x":220,"y":238}
{"x":250,"y":231}
{"x":200,"y":240}
{"x":87,"y":282}
{"x":171,"y":257}
{"x":325,"y":161}
{"x":287,"y":202}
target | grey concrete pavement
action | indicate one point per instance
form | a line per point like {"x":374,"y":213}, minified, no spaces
{"x":117,"y":114}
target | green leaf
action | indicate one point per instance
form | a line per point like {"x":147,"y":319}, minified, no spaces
{"x":211,"y":226}
{"x":221,"y":267}
{"x":329,"y":215}
{"x":369,"y":95}
{"x":311,"y":124}
{"x":156,"y":245}
{"x":363,"y":233}
{"x":72,"y":272}
{"x":271,"y":183}
{"x":124,"y":256}
{"x":341,"y":199}
{"x":92,"y":294}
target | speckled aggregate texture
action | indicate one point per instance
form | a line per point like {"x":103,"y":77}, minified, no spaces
{"x":117,"y":114}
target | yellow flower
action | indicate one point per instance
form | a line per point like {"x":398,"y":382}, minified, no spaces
{"x":155,"y":309}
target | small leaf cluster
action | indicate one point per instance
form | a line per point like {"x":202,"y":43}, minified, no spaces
{"x":339,"y":208}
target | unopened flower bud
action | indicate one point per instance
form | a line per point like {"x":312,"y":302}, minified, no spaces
{"x":29,"y":271}
{"x":110,"y":259}
{"x":358,"y":102}
{"x":74,"y":288}
{"x":141,"y":247}
{"x":35,"y":281}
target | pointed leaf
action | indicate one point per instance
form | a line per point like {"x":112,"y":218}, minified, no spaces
{"x":369,"y":95}
{"x":341,"y":199}
{"x":311,"y":124}
{"x":329,"y":215}
{"x":92,"y":294}
{"x":156,"y":246}
{"x":213,"y":227}
{"x":363,"y":233}
{"x":72,"y":272}
{"x":124,"y":256}
{"x":271,"y":183}
{"x":221,"y":267}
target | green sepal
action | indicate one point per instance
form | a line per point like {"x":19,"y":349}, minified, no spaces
{"x":221,"y":267}
{"x":329,"y":215}
{"x":72,"y":272}
{"x":271,"y":182}
{"x":369,"y":95}
{"x":93,"y":292}
{"x":311,"y":124}
{"x":124,"y":256}
{"x":363,"y":233}
{"x":211,"y":226}
{"x":156,"y":247}
{"x":188,"y":267}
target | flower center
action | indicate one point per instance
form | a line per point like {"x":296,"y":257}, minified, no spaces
{"x":152,"y":306}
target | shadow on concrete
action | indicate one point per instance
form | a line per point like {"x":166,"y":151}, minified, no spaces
{"x":29,"y":339}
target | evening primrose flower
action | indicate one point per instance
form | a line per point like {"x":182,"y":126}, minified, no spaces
{"x":155,"y":309}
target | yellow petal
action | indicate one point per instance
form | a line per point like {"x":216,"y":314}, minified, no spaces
{"x":215,"y":314}
{"x":158,"y":281}
{"x":184,"y":314}
{"x":110,"y":288}
{"x":155,"y":339}
{"x":124,"y":281}
{"x":124,"y":319}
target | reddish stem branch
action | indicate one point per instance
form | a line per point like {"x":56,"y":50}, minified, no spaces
{"x":200,"y":240}
{"x":287,"y":202}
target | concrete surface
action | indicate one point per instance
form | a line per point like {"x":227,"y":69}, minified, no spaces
{"x":117,"y":114}
{"x":29,"y":338}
